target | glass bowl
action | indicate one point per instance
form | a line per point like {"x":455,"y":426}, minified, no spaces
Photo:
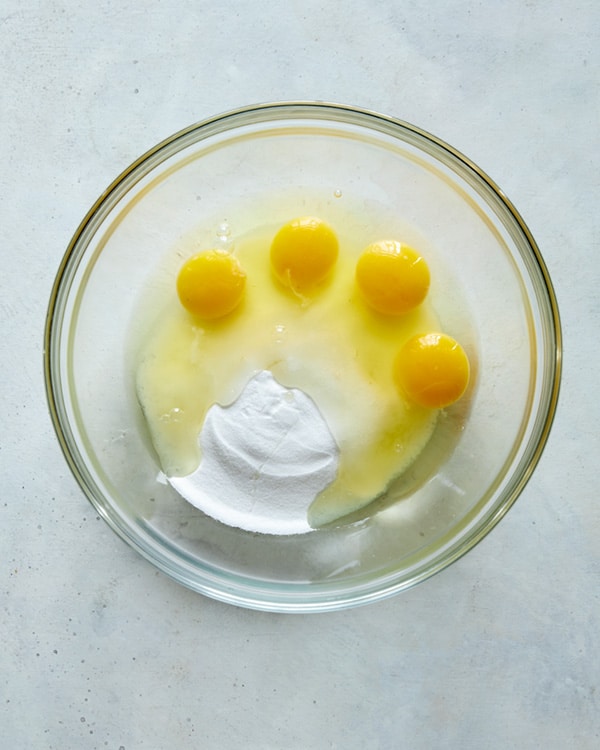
{"x":262,"y":165}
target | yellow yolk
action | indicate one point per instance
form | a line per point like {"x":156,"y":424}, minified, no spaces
{"x":211,"y":284}
{"x":392,"y":277}
{"x":432,"y":369}
{"x":303,"y":252}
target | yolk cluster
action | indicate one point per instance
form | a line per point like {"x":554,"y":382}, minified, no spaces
{"x":431,"y":369}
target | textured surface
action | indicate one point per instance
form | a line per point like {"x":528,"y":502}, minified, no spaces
{"x":99,"y":650}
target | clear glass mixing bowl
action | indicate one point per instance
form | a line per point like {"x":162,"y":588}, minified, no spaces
{"x":326,"y":158}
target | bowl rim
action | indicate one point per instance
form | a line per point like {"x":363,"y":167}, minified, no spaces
{"x":301,"y":603}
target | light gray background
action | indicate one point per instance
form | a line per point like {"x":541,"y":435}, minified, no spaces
{"x":98,"y":650}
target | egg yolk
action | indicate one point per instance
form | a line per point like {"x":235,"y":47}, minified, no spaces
{"x":211,"y":284}
{"x":303,"y":252}
{"x":392,"y":277}
{"x":432,"y":369}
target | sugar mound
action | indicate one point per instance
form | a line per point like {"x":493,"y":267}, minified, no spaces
{"x":264,"y":459}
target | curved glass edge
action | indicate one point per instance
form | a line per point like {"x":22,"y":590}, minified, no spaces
{"x":296,"y":601}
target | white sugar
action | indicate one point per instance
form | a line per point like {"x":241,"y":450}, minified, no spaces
{"x":264,"y":460}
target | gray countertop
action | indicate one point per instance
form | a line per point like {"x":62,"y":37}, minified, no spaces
{"x":99,"y":650}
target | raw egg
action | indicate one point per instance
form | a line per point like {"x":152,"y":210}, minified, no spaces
{"x":392,"y":277}
{"x":303,"y":252}
{"x":211,"y":284}
{"x":432,"y":369}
